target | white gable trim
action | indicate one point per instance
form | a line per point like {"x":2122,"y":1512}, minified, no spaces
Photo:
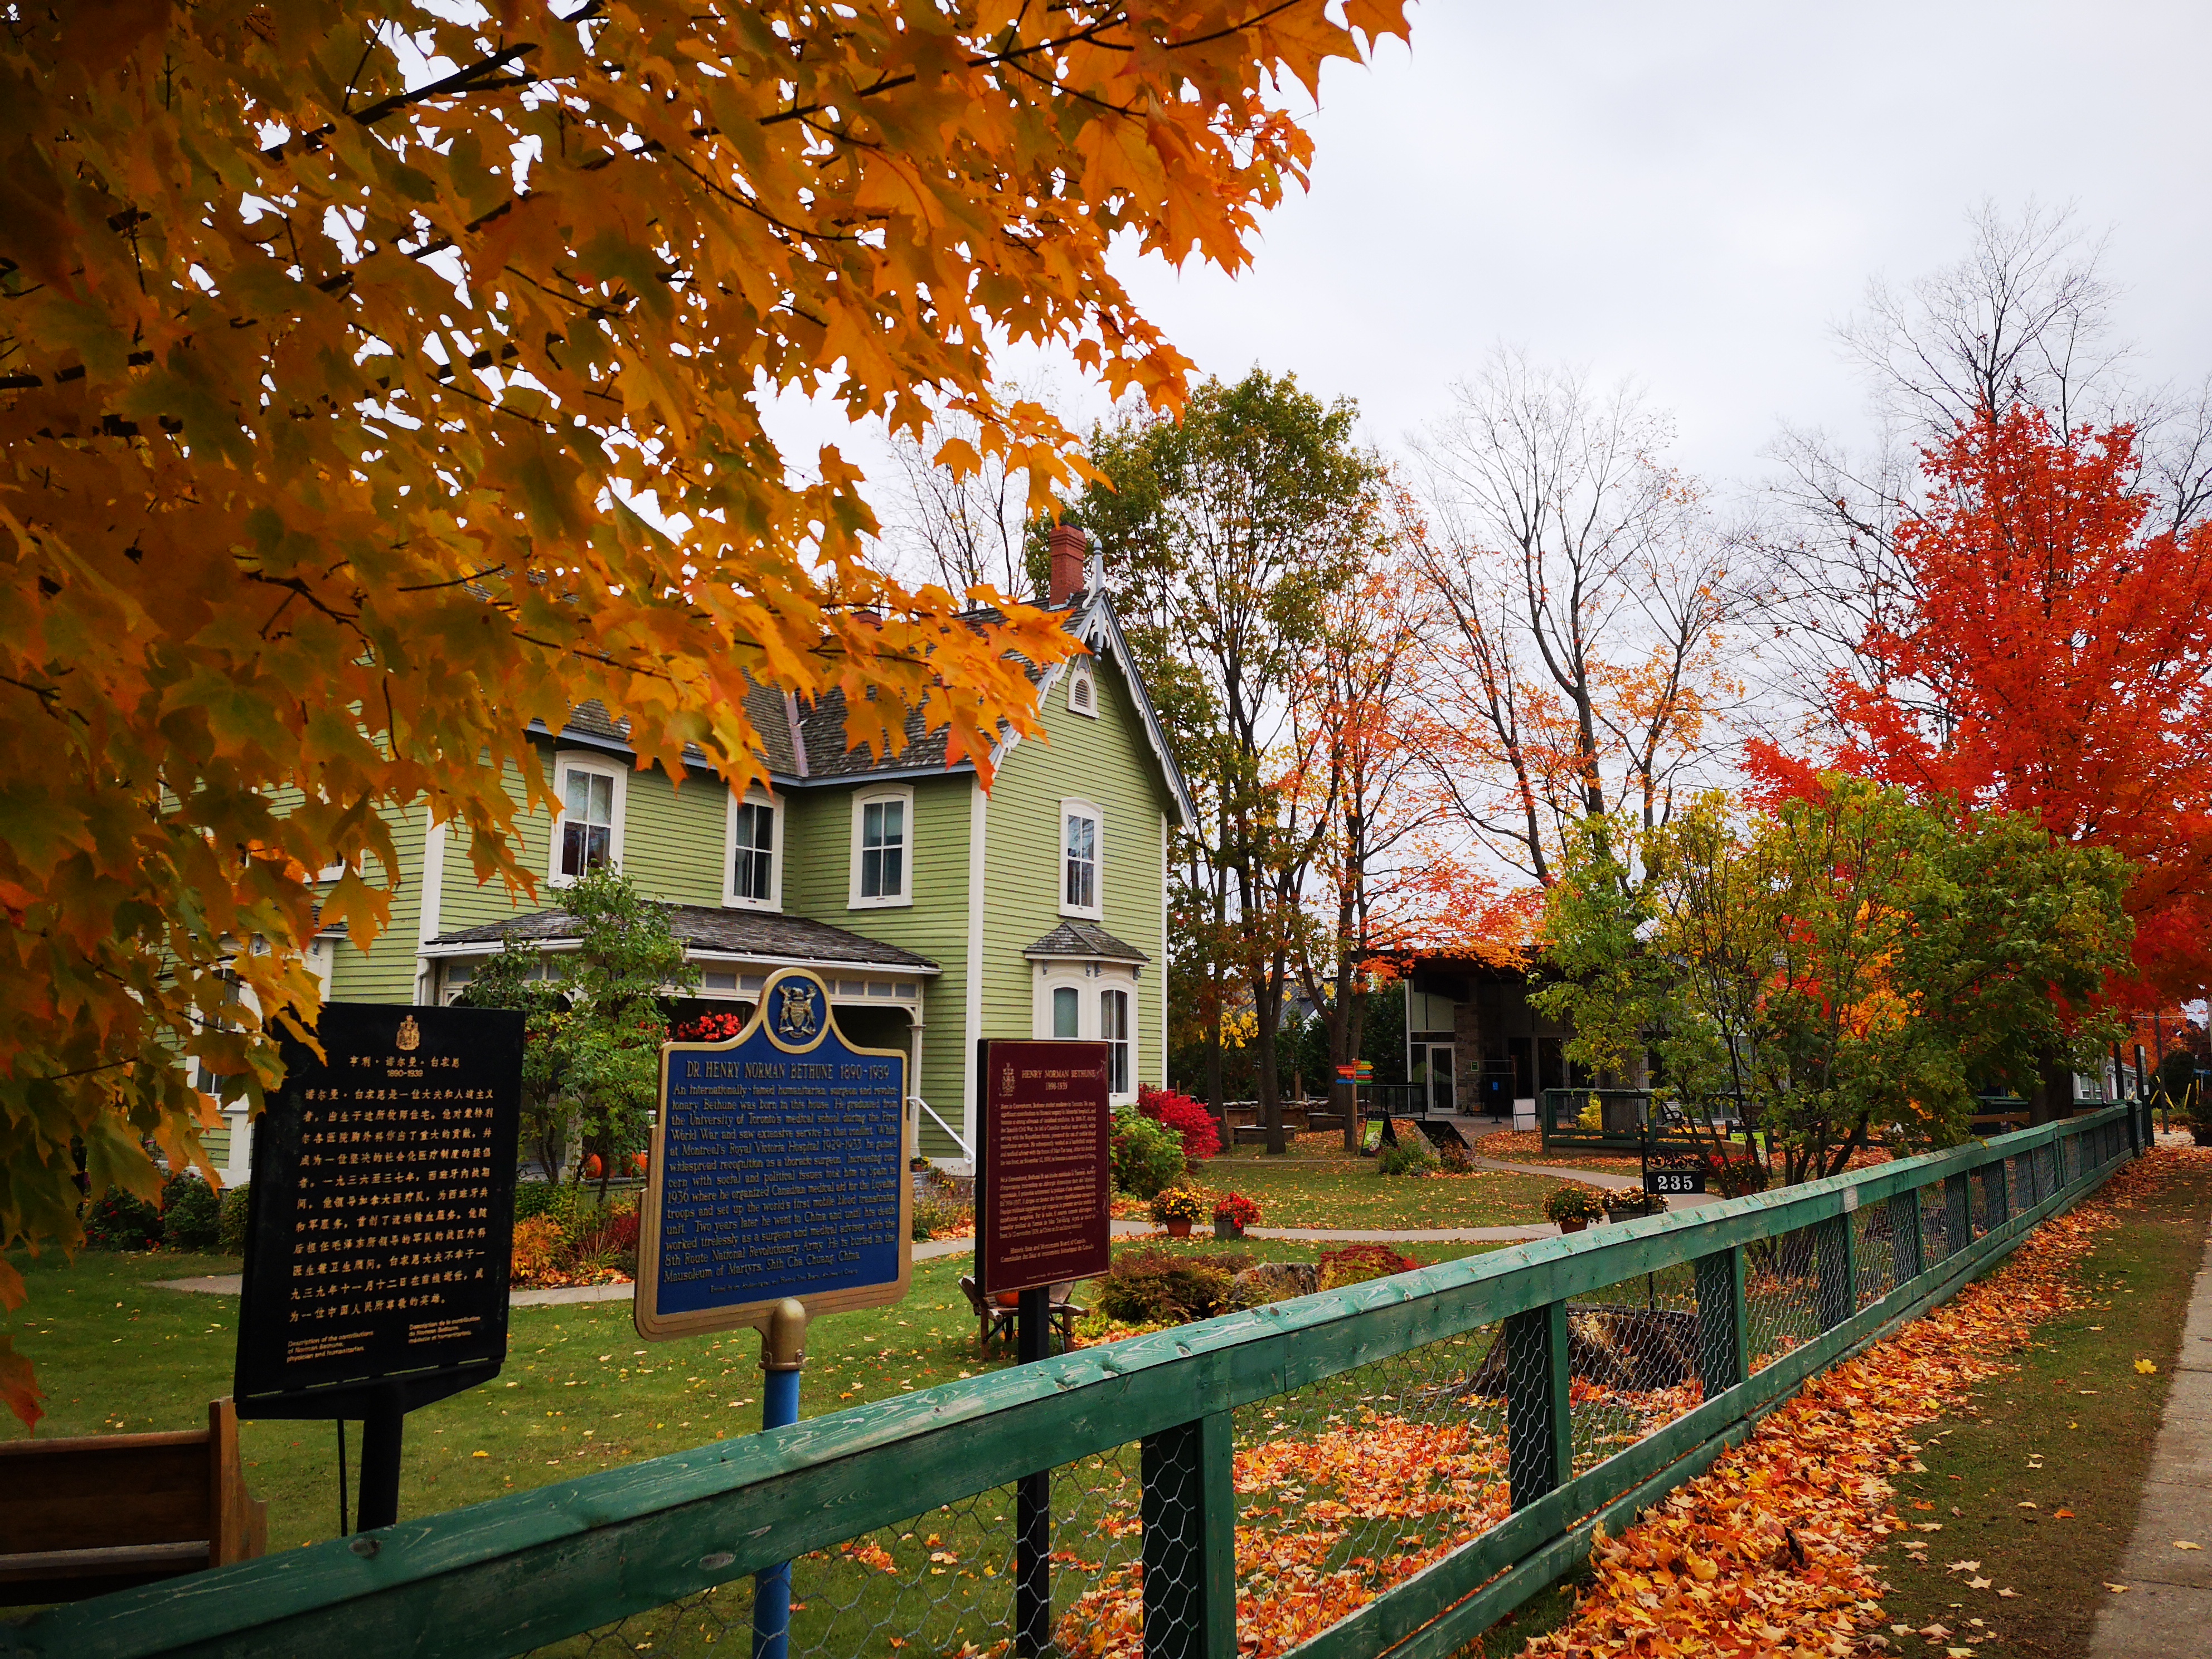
{"x":1097,"y":625}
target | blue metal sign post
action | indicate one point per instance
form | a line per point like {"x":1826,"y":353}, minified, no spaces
{"x":778,"y":1190}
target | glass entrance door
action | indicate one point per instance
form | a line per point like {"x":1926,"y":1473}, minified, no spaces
{"x":1439,"y":1073}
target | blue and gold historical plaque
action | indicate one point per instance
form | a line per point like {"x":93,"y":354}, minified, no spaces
{"x":381,"y":1212}
{"x":779,"y":1170}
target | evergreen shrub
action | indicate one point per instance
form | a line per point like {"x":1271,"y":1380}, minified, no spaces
{"x":191,"y":1213}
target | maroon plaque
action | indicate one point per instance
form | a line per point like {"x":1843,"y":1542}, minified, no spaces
{"x":1044,"y":1182}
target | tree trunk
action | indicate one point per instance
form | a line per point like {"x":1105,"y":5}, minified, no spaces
{"x":1267,"y":1005}
{"x":2053,"y":1098}
{"x":1215,"y":1104}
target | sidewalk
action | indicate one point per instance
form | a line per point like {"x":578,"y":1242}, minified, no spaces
{"x":2168,"y":1607}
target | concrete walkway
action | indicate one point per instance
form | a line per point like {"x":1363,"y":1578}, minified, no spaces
{"x":2168,"y":1609}
{"x":229,"y":1283}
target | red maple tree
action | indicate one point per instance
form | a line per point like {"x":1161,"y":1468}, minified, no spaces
{"x":2054,"y":658}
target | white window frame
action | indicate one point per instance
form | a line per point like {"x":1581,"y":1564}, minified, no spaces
{"x":862,"y":801}
{"x":780,"y":840}
{"x":1078,"y":673}
{"x":1072,"y":807}
{"x":1127,"y":1042}
{"x":570,"y":761}
{"x":1090,"y":979}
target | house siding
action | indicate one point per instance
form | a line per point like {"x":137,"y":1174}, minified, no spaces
{"x":1107,"y":762}
{"x":385,"y":971}
{"x":817,"y":882}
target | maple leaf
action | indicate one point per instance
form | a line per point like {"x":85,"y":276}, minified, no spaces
{"x":2183,"y":1544}
{"x":429,"y":444}
{"x":2146,"y":1367}
{"x":1978,"y":1584}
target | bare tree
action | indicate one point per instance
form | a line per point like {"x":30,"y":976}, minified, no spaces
{"x":1588,"y":598}
{"x":964,"y":515}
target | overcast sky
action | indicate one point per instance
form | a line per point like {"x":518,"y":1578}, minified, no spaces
{"x":1694,"y":195}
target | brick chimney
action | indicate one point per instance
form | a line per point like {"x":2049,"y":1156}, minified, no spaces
{"x":1068,"y":560}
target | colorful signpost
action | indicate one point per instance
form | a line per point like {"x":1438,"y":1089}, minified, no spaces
{"x":380,"y":1223}
{"x":1043,"y":1213}
{"x":777,"y":1189}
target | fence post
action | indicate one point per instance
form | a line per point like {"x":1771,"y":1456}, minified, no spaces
{"x":1908,"y":1254}
{"x":1723,"y":1355}
{"x":1539,"y":1431}
{"x":1189,"y":1513}
{"x":1839,"y":1267}
{"x":1958,"y":1214}
{"x":1995,"y":1195}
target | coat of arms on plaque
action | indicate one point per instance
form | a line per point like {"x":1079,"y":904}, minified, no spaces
{"x":410,"y":1035}
{"x":797,"y":1018}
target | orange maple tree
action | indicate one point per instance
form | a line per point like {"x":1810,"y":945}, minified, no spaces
{"x":378,"y":377}
{"x":2053,"y":657}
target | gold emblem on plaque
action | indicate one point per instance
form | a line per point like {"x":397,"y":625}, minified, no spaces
{"x":1006,"y":1081}
{"x":410,"y":1035}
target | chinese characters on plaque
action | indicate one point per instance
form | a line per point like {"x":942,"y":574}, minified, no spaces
{"x":383,"y":1201}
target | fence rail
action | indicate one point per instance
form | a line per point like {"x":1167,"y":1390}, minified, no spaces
{"x":1406,"y":1460}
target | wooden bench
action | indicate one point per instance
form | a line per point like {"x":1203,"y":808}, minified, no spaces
{"x":82,"y":1517}
{"x":996,"y":1319}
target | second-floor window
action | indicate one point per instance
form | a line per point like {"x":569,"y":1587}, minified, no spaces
{"x":883,"y":831}
{"x":589,"y":835}
{"x":1079,"y":859}
{"x":752,"y":865}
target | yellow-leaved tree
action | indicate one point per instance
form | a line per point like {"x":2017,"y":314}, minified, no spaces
{"x":378,"y":377}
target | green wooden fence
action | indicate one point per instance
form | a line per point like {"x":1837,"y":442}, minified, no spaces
{"x":1505,"y":1350}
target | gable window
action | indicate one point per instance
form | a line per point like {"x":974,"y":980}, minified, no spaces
{"x":1113,"y":1027}
{"x":755,"y":880}
{"x":1082,"y":689}
{"x":1080,"y":843}
{"x":883,"y":847}
{"x":1066,"y":1013}
{"x":587,"y":834}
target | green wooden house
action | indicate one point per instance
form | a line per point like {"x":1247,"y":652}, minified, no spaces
{"x":938,"y":912}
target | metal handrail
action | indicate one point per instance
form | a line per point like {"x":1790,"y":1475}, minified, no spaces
{"x":966,"y":1151}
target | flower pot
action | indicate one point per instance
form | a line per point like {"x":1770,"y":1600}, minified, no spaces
{"x":1178,"y":1230}
{"x":1572,"y":1226}
{"x":1225,"y":1228}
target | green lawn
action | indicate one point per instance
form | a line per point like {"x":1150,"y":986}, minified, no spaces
{"x":1308,"y":1190}
{"x":581,"y":1390}
{"x":2070,"y":1431}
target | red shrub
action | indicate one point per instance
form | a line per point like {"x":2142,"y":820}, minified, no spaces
{"x":714,"y":1027}
{"x":1201,"y":1137}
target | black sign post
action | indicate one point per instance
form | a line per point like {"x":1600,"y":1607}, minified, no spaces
{"x":379,"y":1225}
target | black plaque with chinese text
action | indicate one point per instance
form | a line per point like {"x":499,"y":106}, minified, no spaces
{"x":382,"y":1207}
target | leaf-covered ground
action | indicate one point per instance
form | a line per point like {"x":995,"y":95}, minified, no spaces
{"x":1783,"y":1546}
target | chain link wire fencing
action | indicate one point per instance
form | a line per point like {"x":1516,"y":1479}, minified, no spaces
{"x":1346,"y":1487}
